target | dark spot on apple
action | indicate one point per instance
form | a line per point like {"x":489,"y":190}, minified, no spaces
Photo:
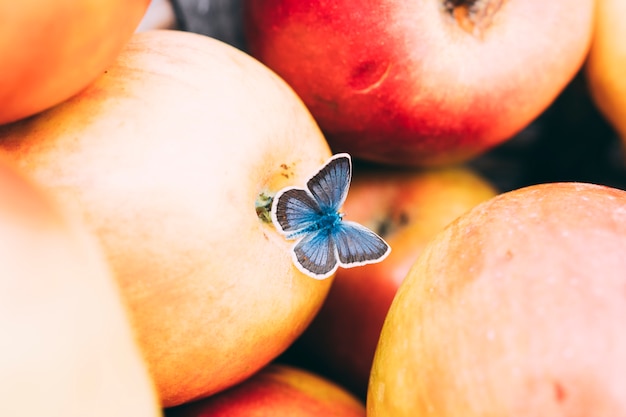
{"x":263,"y":206}
{"x":473,"y":16}
{"x":559,"y":392}
{"x":368,"y":74}
{"x":382,"y":228}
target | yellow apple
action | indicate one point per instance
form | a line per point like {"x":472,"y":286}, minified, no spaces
{"x":169,"y":156}
{"x":407,"y":208}
{"x":515,"y":309}
{"x":277,"y":391}
{"x":67,"y":346}
{"x":605,"y":63}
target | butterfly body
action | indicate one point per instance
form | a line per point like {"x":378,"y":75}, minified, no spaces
{"x":324,"y":240}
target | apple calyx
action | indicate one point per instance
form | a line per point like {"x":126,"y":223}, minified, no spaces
{"x":473,"y":16}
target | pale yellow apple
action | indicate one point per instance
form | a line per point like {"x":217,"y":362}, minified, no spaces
{"x":168,"y":156}
{"x":515,"y":309}
{"x":67,"y":348}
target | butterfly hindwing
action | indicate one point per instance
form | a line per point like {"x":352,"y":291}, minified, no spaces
{"x":357,"y":245}
{"x":330,"y":185}
{"x":316,"y":255}
{"x":294,"y":209}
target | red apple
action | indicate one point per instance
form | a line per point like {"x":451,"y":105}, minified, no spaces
{"x":408,"y":208}
{"x":515,"y":309}
{"x":168,"y":156}
{"x":277,"y":391}
{"x":52,"y":49}
{"x":421,"y":82}
{"x":67,"y":345}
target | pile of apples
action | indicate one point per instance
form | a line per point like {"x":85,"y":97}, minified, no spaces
{"x":141,"y":274}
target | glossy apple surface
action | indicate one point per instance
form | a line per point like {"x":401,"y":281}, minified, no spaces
{"x":52,"y":49}
{"x":67,"y":345}
{"x":407,"y":208}
{"x":515,"y":309}
{"x":421,"y":82}
{"x":277,"y":391}
{"x":167,"y":156}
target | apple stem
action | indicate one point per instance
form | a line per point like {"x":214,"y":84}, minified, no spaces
{"x":263,"y":206}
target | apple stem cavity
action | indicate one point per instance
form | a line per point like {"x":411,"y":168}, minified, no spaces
{"x":473,"y":16}
{"x":263,"y":206}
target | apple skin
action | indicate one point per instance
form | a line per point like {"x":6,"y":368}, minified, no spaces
{"x":67,"y":346}
{"x":406,"y":83}
{"x":277,"y":391}
{"x":607,"y":57}
{"x":407,"y":208}
{"x":166,"y":157}
{"x":52,"y":49}
{"x":515,"y":309}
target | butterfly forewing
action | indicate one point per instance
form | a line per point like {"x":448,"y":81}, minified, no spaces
{"x":330,"y":185}
{"x":294,"y":209}
{"x":358,"y":245}
{"x":316,"y":255}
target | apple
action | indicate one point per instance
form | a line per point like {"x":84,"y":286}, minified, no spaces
{"x":407,"y":208}
{"x":515,"y":309}
{"x":172,"y":157}
{"x":607,"y":57}
{"x":67,"y":346}
{"x":421,"y":83}
{"x":52,"y":49}
{"x":277,"y":391}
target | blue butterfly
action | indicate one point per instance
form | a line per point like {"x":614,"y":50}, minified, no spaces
{"x":324,"y":240}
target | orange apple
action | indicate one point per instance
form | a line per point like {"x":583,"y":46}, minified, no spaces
{"x":421,"y":82}
{"x":277,"y":391}
{"x":67,"y":346}
{"x":52,"y":49}
{"x":408,"y":208}
{"x":607,"y":57}
{"x":515,"y":309}
{"x":169,"y":156}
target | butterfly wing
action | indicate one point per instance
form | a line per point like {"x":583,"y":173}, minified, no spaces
{"x":293,"y":210}
{"x":316,"y":255}
{"x":330,"y":185}
{"x":357,"y":245}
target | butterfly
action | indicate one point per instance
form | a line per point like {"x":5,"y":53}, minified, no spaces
{"x":311,"y":216}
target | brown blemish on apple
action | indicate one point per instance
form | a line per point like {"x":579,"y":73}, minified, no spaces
{"x":473,"y":16}
{"x":287,"y":172}
{"x":368,"y":75}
